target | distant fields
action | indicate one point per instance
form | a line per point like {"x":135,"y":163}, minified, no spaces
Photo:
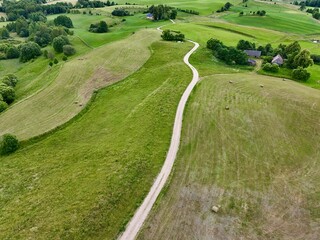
{"x":259,"y":161}
{"x":86,"y":180}
{"x":69,"y":86}
{"x":279,"y":17}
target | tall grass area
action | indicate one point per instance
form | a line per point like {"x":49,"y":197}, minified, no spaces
{"x":85,"y":181}
{"x":259,"y":160}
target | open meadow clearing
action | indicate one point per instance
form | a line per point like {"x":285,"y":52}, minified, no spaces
{"x":258,"y":160}
{"x":73,"y":84}
{"x":117,"y":146}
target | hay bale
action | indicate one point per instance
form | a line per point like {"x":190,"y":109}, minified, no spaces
{"x":230,"y":81}
{"x":215,"y":208}
{"x":283,"y":79}
{"x":227,"y":108}
{"x":261,"y":85}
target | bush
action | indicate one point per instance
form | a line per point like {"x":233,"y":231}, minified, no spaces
{"x":3,"y":106}
{"x":214,"y":44}
{"x":68,"y":50}
{"x":29,"y":51}
{"x":13,"y":52}
{"x":63,"y":20}
{"x":64,"y":58}
{"x":300,"y":74}
{"x":59,"y":42}
{"x":10,"y":80}
{"x":100,"y":27}
{"x":55,"y":61}
{"x":120,"y":12}
{"x":9,"y":144}
{"x":172,"y":36}
{"x":50,"y":64}
{"x":7,"y":93}
{"x":269,"y":67}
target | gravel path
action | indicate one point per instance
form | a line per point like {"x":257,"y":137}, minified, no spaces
{"x":141,"y":214}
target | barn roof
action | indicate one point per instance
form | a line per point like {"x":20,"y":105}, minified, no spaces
{"x":253,"y":53}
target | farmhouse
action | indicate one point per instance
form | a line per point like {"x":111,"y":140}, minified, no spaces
{"x":277,"y":60}
{"x":150,"y":16}
{"x":253,"y":53}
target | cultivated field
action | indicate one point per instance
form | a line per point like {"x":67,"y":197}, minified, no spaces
{"x":258,"y":160}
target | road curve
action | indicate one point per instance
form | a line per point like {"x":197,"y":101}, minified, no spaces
{"x":141,"y":214}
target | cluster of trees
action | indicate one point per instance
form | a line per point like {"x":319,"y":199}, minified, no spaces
{"x":8,"y":144}
{"x":188,"y":11}
{"x":309,"y":3}
{"x":120,"y":12}
{"x":226,"y":7}
{"x":7,"y":93}
{"x":27,"y":8}
{"x":257,"y":13}
{"x":93,"y":4}
{"x":295,"y":58}
{"x":161,"y":12}
{"x":230,"y":55}
{"x":9,"y":51}
{"x":266,"y":50}
{"x":271,"y":67}
{"x":315,"y":13}
{"x":40,"y":34}
{"x":168,"y":35}
{"x":100,"y":27}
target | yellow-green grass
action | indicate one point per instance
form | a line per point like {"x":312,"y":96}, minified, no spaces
{"x":70,"y":85}
{"x":204,"y":7}
{"x":278,"y":17}
{"x":86,"y":180}
{"x":259,"y":160}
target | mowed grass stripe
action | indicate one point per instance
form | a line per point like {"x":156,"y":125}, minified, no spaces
{"x":84,"y":182}
{"x":74,"y":85}
{"x":259,"y":160}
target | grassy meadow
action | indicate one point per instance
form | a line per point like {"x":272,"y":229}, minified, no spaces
{"x":77,"y":183}
{"x":258,"y":160}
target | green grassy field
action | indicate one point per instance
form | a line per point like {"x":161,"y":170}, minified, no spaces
{"x":280,"y":17}
{"x":78,"y":183}
{"x":258,"y":160}
{"x":69,"y":86}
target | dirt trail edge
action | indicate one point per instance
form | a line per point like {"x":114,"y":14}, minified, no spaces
{"x":141,"y":214}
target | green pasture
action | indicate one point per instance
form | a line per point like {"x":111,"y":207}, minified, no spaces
{"x":279,"y":17}
{"x":85,"y":181}
{"x":259,"y":161}
{"x":60,"y":92}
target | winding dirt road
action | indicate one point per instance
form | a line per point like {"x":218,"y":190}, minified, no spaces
{"x":141,"y":214}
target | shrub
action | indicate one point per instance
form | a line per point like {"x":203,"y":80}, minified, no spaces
{"x":300,"y":74}
{"x":55,"y":61}
{"x":63,"y":20}
{"x":172,"y":36}
{"x":7,"y":92}
{"x":29,"y":51}
{"x":9,"y":144}
{"x":50,"y":64}
{"x":64,"y":58}
{"x":100,"y":27}
{"x":3,"y":106}
{"x":269,"y":67}
{"x":13,"y":52}
{"x":10,"y":80}
{"x":59,"y":42}
{"x":68,"y":50}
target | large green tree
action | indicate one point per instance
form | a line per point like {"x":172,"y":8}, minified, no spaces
{"x":63,"y":20}
{"x":303,"y":59}
{"x":59,"y":42}
{"x":29,"y":51}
